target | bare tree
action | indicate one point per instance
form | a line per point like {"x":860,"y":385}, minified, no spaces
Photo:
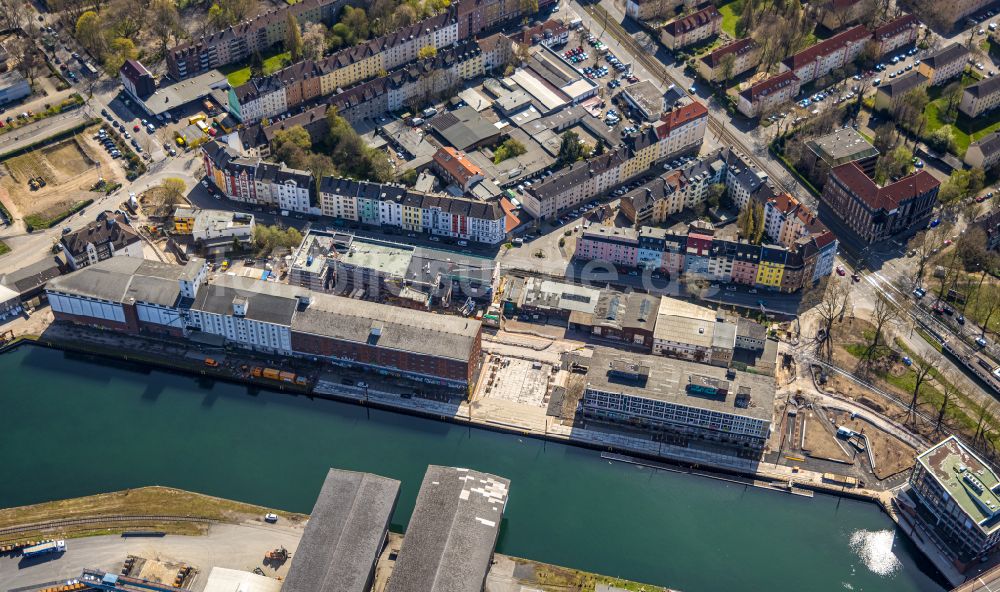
{"x":984,"y":411}
{"x":948,"y":392}
{"x":13,"y":13}
{"x":885,"y":313}
{"x":926,"y":244}
{"x":921,"y":369}
{"x":832,"y":308}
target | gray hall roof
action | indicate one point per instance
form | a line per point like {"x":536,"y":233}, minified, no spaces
{"x":344,"y":534}
{"x":450,"y":539}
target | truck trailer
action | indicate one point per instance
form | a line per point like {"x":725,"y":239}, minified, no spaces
{"x":43,"y":548}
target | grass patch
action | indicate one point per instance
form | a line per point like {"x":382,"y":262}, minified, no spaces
{"x":238,"y":74}
{"x":161,"y":501}
{"x":731,"y":16}
{"x":4,"y":248}
{"x":40,"y":221}
{"x":551,"y":577}
{"x":930,"y":339}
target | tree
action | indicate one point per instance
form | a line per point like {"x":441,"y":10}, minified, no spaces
{"x":921,"y":372}
{"x":509,"y":149}
{"x":751,"y":221}
{"x":952,"y":95}
{"x":925,"y":244}
{"x":948,"y":392}
{"x":356,"y":20}
{"x":171,"y":192}
{"x":408,"y":177}
{"x":726,"y":66}
{"x":165,"y":21}
{"x":971,"y":248}
{"x":570,"y":148}
{"x":125,"y":18}
{"x":13,"y":13}
{"x":404,"y":16}
{"x":893,"y":164}
{"x":715,"y":193}
{"x":869,"y":55}
{"x":314,"y":41}
{"x":89,"y":32}
{"x":961,"y":185}
{"x":886,"y":138}
{"x":984,"y":411}
{"x":293,"y":38}
{"x":121,"y":49}
{"x":427,"y":51}
{"x":943,"y":140}
{"x":884,"y":314}
{"x":528,"y":7}
{"x":832,"y":307}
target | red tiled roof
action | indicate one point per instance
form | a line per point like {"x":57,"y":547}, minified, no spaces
{"x":738,"y":47}
{"x":693,"y":21}
{"x":678,"y":117}
{"x":511,"y":221}
{"x":888,"y":197}
{"x":823,"y":48}
{"x":766,"y":87}
{"x":457,"y":164}
{"x":897,"y":26}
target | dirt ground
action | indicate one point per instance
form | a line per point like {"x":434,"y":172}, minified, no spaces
{"x":820,"y":441}
{"x":891,"y":454}
{"x":70,"y":168}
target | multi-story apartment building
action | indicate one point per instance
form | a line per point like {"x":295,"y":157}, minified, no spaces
{"x":672,"y":192}
{"x":984,"y":153}
{"x":896,"y":33}
{"x":692,"y":28}
{"x":240,"y":41}
{"x":808,"y":256}
{"x":990,"y":224}
{"x":854,"y":202}
{"x":617,"y":246}
{"x":686,"y":400}
{"x":575,"y":184}
{"x":267,"y":97}
{"x":956,"y":497}
{"x":138,"y":296}
{"x":678,"y":131}
{"x":551,"y":33}
{"x":944,"y":64}
{"x":745,"y":55}
{"x":980,"y":97}
{"x":769,"y":94}
{"x":390,"y":205}
{"x":828,"y":55}
{"x":889,"y":95}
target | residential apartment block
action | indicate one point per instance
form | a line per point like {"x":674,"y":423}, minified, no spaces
{"x":686,"y":400}
{"x":378,"y":204}
{"x":208,"y":226}
{"x":890,"y":94}
{"x":828,"y":55}
{"x":242,"y":40}
{"x":980,"y":97}
{"x":267,"y":97}
{"x":984,"y":153}
{"x":699,"y":254}
{"x":745,"y":55}
{"x":673,"y":191}
{"x":138,"y":296}
{"x":896,"y":33}
{"x":455,"y":167}
{"x":956,"y":497}
{"x":834,"y":149}
{"x":871,"y":213}
{"x":990,"y":224}
{"x":944,"y":64}
{"x":251,"y":180}
{"x":692,"y":28}
{"x":769,"y":94}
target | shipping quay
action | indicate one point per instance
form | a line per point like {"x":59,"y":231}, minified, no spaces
{"x":380,"y":356}
{"x":345,"y":546}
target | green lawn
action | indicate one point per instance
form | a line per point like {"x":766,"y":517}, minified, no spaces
{"x":730,"y":16}
{"x":238,"y":74}
{"x":4,"y":248}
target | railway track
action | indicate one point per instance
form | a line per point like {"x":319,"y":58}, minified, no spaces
{"x":655,"y":67}
{"x":52,"y":524}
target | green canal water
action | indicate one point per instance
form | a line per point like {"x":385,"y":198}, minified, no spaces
{"x":71,"y":427}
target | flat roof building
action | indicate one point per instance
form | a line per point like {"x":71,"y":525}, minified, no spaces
{"x":345,"y":533}
{"x":451,"y":537}
{"x":835,"y":149}
{"x":692,"y":401}
{"x":221,"y":579}
{"x":645,"y":99}
{"x":186,"y":91}
{"x":958,"y":500}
